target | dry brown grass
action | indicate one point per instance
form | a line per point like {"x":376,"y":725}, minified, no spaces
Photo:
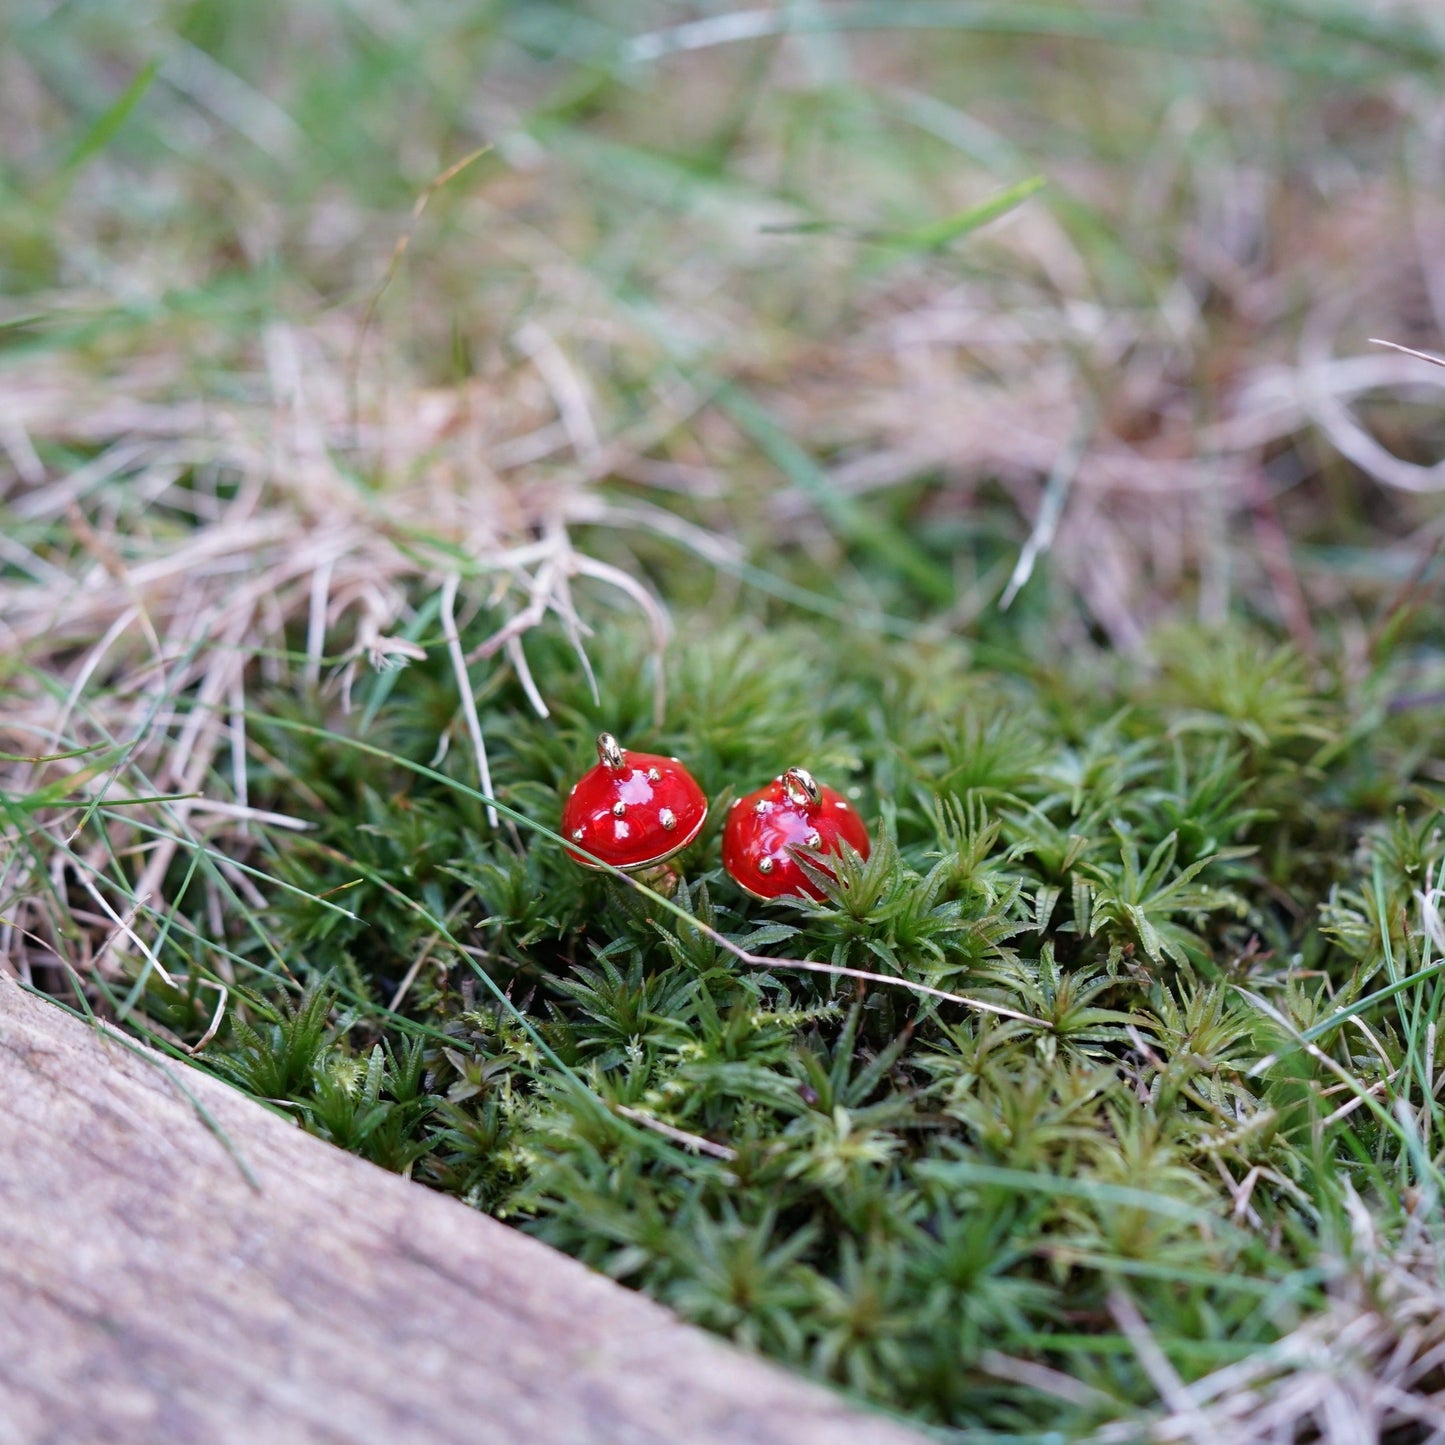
{"x":1370,"y":1367}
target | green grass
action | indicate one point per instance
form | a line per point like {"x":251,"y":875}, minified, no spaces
{"x":785,"y":331}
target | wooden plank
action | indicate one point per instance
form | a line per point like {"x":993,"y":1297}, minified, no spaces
{"x":148,"y":1292}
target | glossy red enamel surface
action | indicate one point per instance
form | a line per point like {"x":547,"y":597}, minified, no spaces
{"x":763,"y":826}
{"x":622,"y":814}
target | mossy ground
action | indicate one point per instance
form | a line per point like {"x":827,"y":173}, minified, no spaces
{"x":1201,"y":897}
{"x":1029,"y":539}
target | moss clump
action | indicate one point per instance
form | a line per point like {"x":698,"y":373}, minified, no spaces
{"x":1189,"y":907}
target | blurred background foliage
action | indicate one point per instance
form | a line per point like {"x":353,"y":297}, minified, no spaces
{"x":744,"y":235}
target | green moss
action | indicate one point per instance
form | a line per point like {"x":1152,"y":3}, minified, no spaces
{"x":1156,"y":882}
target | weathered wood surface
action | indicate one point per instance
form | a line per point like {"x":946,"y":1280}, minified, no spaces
{"x":149,"y":1293}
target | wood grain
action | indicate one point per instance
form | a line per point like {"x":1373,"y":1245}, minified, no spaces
{"x":148,"y":1292}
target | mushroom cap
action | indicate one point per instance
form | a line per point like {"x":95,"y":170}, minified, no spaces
{"x":634,"y":811}
{"x":764,"y":827}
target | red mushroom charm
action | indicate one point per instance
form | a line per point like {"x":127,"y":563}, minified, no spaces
{"x":793,"y":811}
{"x":633,"y":809}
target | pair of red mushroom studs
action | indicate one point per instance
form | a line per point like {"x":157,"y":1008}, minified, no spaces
{"x":635,"y":810}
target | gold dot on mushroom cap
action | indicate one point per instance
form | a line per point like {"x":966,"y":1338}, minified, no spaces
{"x":765,"y":865}
{"x":667,"y":818}
{"x":618,"y":809}
{"x":653,"y":776}
{"x":578,"y":834}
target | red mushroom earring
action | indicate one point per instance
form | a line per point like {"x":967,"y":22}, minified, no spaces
{"x":633,"y":810}
{"x":793,"y":811}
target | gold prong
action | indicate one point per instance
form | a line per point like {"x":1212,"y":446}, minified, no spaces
{"x":801,"y":788}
